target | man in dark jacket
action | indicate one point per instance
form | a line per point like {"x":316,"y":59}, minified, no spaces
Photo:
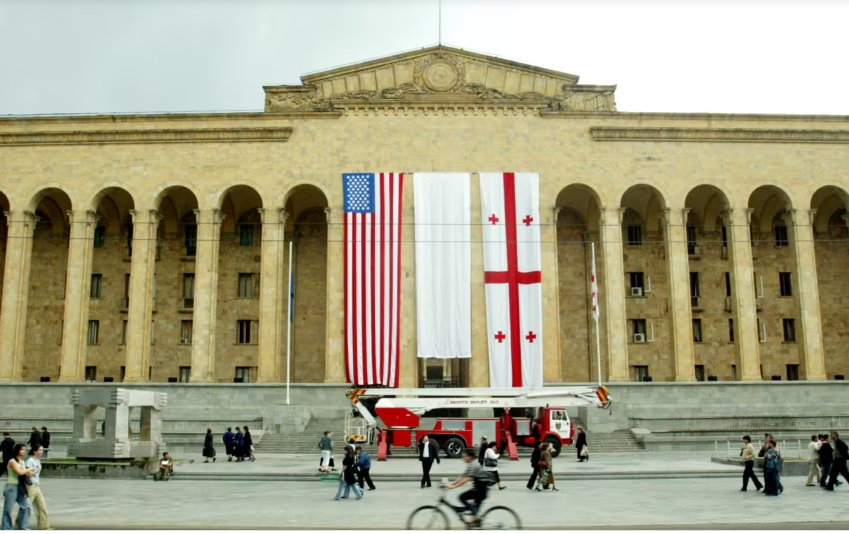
{"x":6,"y":447}
{"x":535,"y":456}
{"x":45,"y":440}
{"x":428,"y":452}
{"x":838,"y":467}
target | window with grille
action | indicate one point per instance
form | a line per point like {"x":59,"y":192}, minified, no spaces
{"x":731,"y":330}
{"x":124,"y":333}
{"x":99,"y":236}
{"x":635,"y":235}
{"x":781,"y":239}
{"x":93,"y":332}
{"x":243,"y":375}
{"x":246,"y":331}
{"x":789,"y":330}
{"x":700,"y":373}
{"x":785,"y":284}
{"x":191,"y":239}
{"x":641,"y":372}
{"x":727,"y":284}
{"x":185,"y":372}
{"x":691,"y":240}
{"x":733,"y":372}
{"x":695,"y":291}
{"x":792,"y":372}
{"x":91,"y":373}
{"x":96,"y":282}
{"x":246,"y":235}
{"x":186,"y":332}
{"x":697,"y":331}
{"x":248,"y":285}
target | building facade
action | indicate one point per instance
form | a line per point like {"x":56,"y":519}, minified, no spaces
{"x":156,"y":247}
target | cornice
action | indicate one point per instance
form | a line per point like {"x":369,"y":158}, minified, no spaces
{"x":720,"y":135}
{"x":25,"y":120}
{"x":708,"y":117}
{"x":183,"y":135}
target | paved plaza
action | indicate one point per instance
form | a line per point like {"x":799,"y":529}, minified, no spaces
{"x":587,"y":500}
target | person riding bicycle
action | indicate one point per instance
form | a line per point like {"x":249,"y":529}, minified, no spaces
{"x":480,"y":479}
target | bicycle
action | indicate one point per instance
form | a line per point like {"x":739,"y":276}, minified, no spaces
{"x":430,"y":517}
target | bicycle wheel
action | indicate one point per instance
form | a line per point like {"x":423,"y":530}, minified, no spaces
{"x":500,"y":518}
{"x":427,"y":518}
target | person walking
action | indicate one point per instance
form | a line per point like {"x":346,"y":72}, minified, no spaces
{"x":34,"y":438}
{"x":838,"y":466}
{"x":347,"y":478}
{"x":546,"y":466}
{"x":772,"y":486}
{"x":325,"y":445}
{"x":826,"y":454}
{"x":239,"y":445}
{"x":249,"y":445}
{"x":767,"y":437}
{"x":45,"y":441}
{"x":208,"y":449}
{"x":581,"y":444}
{"x":229,"y":438}
{"x":482,"y":451}
{"x":813,"y":461}
{"x":34,"y":490}
{"x":535,"y":458}
{"x":747,"y":454}
{"x":363,"y":469}
{"x":490,"y":464}
{"x":13,"y":493}
{"x":428,"y":452}
{"x":7,"y":447}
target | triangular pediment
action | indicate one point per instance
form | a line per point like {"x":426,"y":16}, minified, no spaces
{"x":439,"y":74}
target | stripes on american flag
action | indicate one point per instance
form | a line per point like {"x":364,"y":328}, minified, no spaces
{"x":372,"y":269}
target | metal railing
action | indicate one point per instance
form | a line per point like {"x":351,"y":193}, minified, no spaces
{"x":731,"y":450}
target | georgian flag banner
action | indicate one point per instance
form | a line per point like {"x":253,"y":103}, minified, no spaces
{"x":513,"y":276}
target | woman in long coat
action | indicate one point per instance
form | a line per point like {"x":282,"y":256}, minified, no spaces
{"x":208,"y":450}
{"x":546,"y":466}
{"x":580,"y":443}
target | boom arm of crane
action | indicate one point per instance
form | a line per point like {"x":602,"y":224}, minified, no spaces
{"x":422,"y":400}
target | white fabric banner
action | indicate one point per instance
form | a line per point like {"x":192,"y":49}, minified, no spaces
{"x":443,"y":265}
{"x":512,"y":265}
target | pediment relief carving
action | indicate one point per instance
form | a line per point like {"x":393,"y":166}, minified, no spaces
{"x":439,"y":75}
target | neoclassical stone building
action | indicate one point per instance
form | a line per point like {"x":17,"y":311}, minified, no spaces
{"x":155,"y":247}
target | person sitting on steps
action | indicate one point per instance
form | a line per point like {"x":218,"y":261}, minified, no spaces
{"x":166,"y":467}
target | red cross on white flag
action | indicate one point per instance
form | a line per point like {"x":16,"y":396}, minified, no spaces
{"x":512,"y":261}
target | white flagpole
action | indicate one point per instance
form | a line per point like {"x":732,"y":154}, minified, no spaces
{"x":595,"y":316}
{"x":289,"y":329}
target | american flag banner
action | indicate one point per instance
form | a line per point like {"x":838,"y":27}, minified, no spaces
{"x":372,"y":265}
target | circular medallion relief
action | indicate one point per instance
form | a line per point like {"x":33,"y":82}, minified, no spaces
{"x":440,"y":76}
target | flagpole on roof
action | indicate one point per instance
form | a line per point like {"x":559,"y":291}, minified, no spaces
{"x":440,"y":22}
{"x":595,"y":317}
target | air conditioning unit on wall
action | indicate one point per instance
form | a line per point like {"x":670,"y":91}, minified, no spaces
{"x":636,"y":292}
{"x":639,"y":338}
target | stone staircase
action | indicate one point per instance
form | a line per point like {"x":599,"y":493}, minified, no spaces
{"x":618,"y":441}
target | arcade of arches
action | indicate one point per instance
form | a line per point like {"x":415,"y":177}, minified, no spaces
{"x":156,"y":247}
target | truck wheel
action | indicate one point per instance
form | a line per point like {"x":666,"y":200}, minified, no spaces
{"x":554,"y":445}
{"x":454,"y":447}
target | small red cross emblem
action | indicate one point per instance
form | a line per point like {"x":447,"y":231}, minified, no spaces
{"x":528,"y":220}
{"x":500,"y":336}
{"x":493,"y":219}
{"x":531,"y":336}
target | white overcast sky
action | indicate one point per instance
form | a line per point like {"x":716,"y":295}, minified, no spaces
{"x":100,"y":56}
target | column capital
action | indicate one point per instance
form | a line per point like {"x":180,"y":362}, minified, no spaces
{"x":282,"y":215}
{"x":138,"y":216}
{"x":555,"y":211}
{"x":789,"y":216}
{"x":668,"y":214}
{"x":812,"y":215}
{"x":87,"y":217}
{"x":602,"y":212}
{"x":327,"y":212}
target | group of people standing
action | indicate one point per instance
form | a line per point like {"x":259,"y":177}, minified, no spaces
{"x":238,"y":445}
{"x":827,"y":457}
{"x":23,"y":483}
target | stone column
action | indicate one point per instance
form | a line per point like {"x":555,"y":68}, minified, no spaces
{"x":145,"y":224}
{"x":204,"y":318}
{"x":678,"y":271}
{"x":78,"y":285}
{"x":743,"y":293}
{"x":273,"y":300}
{"x":809,"y":332}
{"x":479,"y":364}
{"x":13,"y":316}
{"x":408,"y":359}
{"x":334,"y":370}
{"x":552,"y":369}
{"x":613,"y":292}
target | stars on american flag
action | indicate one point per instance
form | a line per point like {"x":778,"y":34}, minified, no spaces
{"x":359,"y":193}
